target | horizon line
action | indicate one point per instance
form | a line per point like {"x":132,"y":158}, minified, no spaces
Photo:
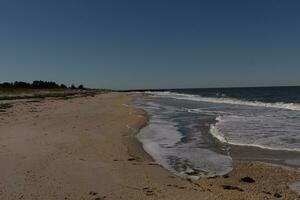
{"x":191,"y":88}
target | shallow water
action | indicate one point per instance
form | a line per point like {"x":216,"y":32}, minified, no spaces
{"x":195,"y":138}
{"x":296,"y":187}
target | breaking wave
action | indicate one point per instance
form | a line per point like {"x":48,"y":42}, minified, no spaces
{"x":217,"y":133}
{"x":226,"y":100}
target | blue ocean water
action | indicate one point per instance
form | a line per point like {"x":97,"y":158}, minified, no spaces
{"x":196,"y":132}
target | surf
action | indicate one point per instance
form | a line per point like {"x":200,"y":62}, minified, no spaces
{"x":226,"y":100}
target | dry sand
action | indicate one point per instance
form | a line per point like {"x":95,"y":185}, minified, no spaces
{"x":84,"y":148}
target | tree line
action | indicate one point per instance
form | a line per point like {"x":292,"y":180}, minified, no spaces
{"x":38,"y":85}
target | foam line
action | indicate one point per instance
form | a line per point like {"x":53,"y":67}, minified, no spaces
{"x":280,"y":105}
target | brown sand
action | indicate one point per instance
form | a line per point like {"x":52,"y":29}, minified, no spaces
{"x":84,"y":148}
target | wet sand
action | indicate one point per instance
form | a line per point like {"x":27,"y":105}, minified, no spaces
{"x":85,"y":148}
{"x":287,"y":158}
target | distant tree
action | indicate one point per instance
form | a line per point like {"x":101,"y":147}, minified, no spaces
{"x":37,"y":85}
{"x":44,"y":85}
{"x":63,"y":86}
{"x":73,"y":87}
{"x":21,"y":84}
{"x":80,"y":87}
{"x":6,"y":85}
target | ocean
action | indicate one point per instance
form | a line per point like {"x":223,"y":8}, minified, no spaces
{"x":200,"y":132}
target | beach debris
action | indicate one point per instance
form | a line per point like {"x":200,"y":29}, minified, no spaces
{"x":266,"y":192}
{"x":192,"y":179}
{"x":96,"y":198}
{"x":247,"y":179}
{"x":230,"y":187}
{"x":225,"y":176}
{"x":149,"y":191}
{"x":93,"y":193}
{"x":212,"y":177}
{"x":192,"y":173}
{"x":4,"y":106}
{"x":135,"y":163}
{"x":152,"y":163}
{"x":277,"y":195}
{"x":176,"y":186}
{"x":131,"y":159}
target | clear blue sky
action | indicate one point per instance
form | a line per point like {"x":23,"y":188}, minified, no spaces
{"x":126,"y":44}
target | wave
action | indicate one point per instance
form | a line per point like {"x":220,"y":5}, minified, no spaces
{"x":226,"y":100}
{"x":162,"y":140}
{"x":201,"y":110}
{"x":216,"y":133}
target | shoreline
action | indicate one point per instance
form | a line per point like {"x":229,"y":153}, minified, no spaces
{"x":281,"y":157}
{"x":45,"y":144}
{"x":237,"y":161}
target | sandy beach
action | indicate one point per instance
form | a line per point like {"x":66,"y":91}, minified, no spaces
{"x":85,"y":148}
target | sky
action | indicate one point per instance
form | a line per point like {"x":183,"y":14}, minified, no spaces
{"x":142,"y":44}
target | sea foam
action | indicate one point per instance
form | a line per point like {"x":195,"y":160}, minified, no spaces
{"x":217,"y":133}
